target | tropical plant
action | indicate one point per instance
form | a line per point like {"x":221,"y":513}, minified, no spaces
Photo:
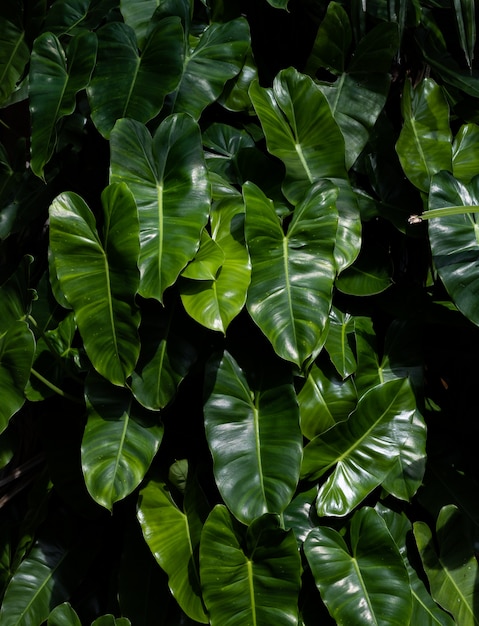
{"x":238,"y":313}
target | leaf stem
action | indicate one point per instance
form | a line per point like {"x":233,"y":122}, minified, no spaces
{"x":443,"y":212}
{"x":54,"y":388}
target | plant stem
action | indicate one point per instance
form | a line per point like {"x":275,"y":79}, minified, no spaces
{"x":54,"y":388}
{"x":443,"y":212}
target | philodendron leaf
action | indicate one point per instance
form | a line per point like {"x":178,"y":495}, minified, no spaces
{"x":119,"y":443}
{"x":424,"y":144}
{"x":214,"y":58}
{"x":363,"y":450}
{"x":292,"y":277}
{"x":173,"y":538}
{"x":300,"y":130}
{"x":207,"y":261}
{"x":167,"y":177}
{"x":111,"y":620}
{"x":465,"y":152}
{"x":454,"y":242}
{"x":65,"y":75}
{"x":464,"y":12}
{"x":17,"y":348}
{"x":215,"y":303}
{"x":63,"y":615}
{"x":99,"y":276}
{"x":141,"y":80}
{"x":250,"y":577}
{"x":453,"y":573}
{"x":14,"y":56}
{"x":255,"y":441}
{"x":338,"y":342}
{"x":365,"y":582}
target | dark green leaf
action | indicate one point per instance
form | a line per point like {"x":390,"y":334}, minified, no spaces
{"x":63,"y":615}
{"x":370,"y":274}
{"x":465,"y":152}
{"x":464,"y":11}
{"x":338,"y":342}
{"x":14,"y":55}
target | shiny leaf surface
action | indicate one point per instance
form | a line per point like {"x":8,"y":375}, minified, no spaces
{"x":14,"y":55}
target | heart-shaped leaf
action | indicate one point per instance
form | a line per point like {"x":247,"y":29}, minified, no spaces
{"x":259,"y":473}
{"x":167,"y":177}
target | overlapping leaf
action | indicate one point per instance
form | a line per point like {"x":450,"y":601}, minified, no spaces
{"x":55,"y":80}
{"x":292,"y":277}
{"x":252,"y":579}
{"x":14,"y":56}
{"x":167,"y":177}
{"x":100,"y":278}
{"x":254,"y":439}
{"x":338,"y":342}
{"x":465,"y":152}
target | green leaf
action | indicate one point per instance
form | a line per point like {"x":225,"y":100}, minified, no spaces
{"x":100,"y":278}
{"x":65,"y":75}
{"x":366,"y":582}
{"x":15,"y":295}
{"x":14,"y":55}
{"x":363,"y":450}
{"x":255,"y":584}
{"x":68,"y":17}
{"x":424,"y":144}
{"x":17,"y":347}
{"x":464,"y":12}
{"x":300,"y":130}
{"x":173,"y":538}
{"x":465,"y":152}
{"x":138,"y":16}
{"x":453,"y":572}
{"x":119,"y":442}
{"x":217,"y":56}
{"x":279,"y":4}
{"x":255,"y":441}
{"x":370,"y":274}
{"x":292,"y":278}
{"x":167,"y":177}
{"x":159,"y":64}
{"x":217,"y":302}
{"x":324,"y":401}
{"x":111,"y":620}
{"x":333,"y":39}
{"x":338,"y":342}
{"x":63,"y":615}
{"x":454,"y":242}
{"x":207,"y":261}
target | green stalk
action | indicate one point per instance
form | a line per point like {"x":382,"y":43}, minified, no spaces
{"x":444,"y":212}
{"x":54,"y":388}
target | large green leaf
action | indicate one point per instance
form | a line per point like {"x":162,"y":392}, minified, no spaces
{"x":119,"y":443}
{"x":167,"y":177}
{"x":453,"y":573}
{"x":300,"y":130}
{"x":139,"y":17}
{"x":252,"y":579}
{"x":14,"y":55}
{"x":363,"y":450}
{"x":99,"y":277}
{"x":214,"y":58}
{"x":17,"y":348}
{"x":65,"y":75}
{"x":255,"y":441}
{"x":215,"y":303}
{"x":159,"y":64}
{"x":365,"y":582}
{"x":292,"y":278}
{"x":454,"y":241}
{"x":424,"y":144}
{"x":173,"y":537}
{"x":465,"y":152}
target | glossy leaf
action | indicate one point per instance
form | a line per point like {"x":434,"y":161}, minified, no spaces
{"x":167,"y":177}
{"x":215,"y":303}
{"x":293,"y":273}
{"x":454,"y":244}
{"x":324,"y":401}
{"x":63,"y":615}
{"x":111,"y":620}
{"x":464,"y":11}
{"x":370,"y":274}
{"x":300,"y":130}
{"x":68,"y":17}
{"x":15,"y":295}
{"x":338,"y":342}
{"x":465,"y":152}
{"x":252,"y":579}
{"x":99,"y":276}
{"x":207,"y":261}
{"x":17,"y":347}
{"x":255,"y":441}
{"x":452,"y":572}
{"x":139,"y":17}
{"x":217,"y":56}
{"x":424,"y":144}
{"x":159,"y":64}
{"x":119,"y":442}
{"x":363,"y":450}
{"x":333,"y":39}
{"x":65,"y":75}
{"x":14,"y":55}
{"x":364,"y":582}
{"x":173,"y":538}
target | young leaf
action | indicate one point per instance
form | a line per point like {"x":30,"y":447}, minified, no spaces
{"x":63,"y":615}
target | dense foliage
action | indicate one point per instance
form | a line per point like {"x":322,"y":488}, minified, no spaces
{"x":237,"y":377}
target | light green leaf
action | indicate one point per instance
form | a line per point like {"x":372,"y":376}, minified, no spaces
{"x":292,"y":278}
{"x":99,"y":277}
{"x":363,"y":450}
{"x":167,"y":177}
{"x":14,"y":55}
{"x":159,"y":64}
{"x":255,"y":441}
{"x":207,"y":261}
{"x":365,"y":582}
{"x":424,"y":144}
{"x":119,"y":442}
{"x":65,"y":75}
{"x":252,"y":579}
{"x":338,"y":342}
